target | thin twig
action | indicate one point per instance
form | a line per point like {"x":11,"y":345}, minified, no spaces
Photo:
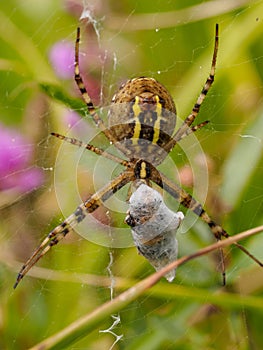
{"x":85,"y":324}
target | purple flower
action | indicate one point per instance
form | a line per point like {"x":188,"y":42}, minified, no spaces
{"x":71,"y":118}
{"x":15,"y":156}
{"x":61,"y":56}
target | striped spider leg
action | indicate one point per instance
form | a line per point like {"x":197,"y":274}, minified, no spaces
{"x":141,"y":121}
{"x":87,"y":207}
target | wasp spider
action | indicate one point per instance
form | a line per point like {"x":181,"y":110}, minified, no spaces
{"x":142,"y":120}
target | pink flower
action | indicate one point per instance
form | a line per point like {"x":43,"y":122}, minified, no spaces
{"x":62,"y":59}
{"x":15,"y":156}
{"x":71,"y":118}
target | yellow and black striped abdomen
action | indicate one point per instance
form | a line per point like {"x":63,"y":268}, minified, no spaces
{"x":142,"y":117}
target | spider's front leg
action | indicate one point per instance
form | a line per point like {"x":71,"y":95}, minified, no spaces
{"x":189,"y":202}
{"x":88,"y":207}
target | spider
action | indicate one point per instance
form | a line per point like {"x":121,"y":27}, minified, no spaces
{"x":142,"y":120}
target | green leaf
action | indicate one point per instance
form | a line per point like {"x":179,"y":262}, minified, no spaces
{"x":57,"y":93}
{"x":242,"y":162}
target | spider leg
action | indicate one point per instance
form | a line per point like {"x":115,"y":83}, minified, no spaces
{"x":193,"y":129}
{"x":186,"y":200}
{"x":91,"y":148}
{"x":182,"y":131}
{"x":86,"y":98}
{"x":89,"y":206}
{"x":82,"y":89}
{"x":189,"y":202}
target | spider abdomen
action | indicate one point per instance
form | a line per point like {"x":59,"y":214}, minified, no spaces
{"x":142,"y":117}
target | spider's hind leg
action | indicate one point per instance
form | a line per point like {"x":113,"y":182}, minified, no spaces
{"x":85,"y":96}
{"x":183,"y":129}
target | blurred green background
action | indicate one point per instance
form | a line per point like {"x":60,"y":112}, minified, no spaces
{"x":172,"y":42}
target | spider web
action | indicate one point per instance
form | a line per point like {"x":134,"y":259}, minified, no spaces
{"x":224,"y":159}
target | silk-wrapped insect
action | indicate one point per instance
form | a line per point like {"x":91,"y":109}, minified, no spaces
{"x":154,"y":227}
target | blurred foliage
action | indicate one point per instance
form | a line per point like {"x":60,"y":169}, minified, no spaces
{"x":34,"y":101}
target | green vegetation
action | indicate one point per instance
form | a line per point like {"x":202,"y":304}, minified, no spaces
{"x":174,"y":45}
